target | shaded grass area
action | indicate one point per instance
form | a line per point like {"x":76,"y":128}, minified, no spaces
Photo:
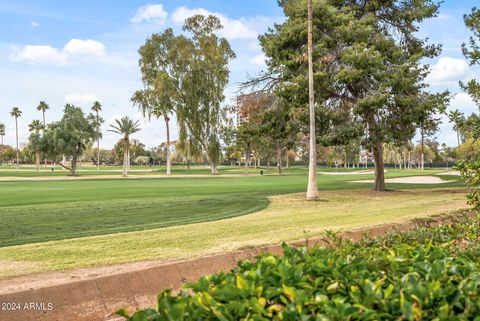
{"x":287,"y":217}
{"x":39,"y":211}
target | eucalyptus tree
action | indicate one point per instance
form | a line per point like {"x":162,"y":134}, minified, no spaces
{"x":158,"y":102}
{"x":125,"y":127}
{"x":2,"y":131}
{"x":195,"y":71}
{"x":97,"y":108}
{"x":70,"y":136}
{"x":277,"y":125}
{"x":35,"y":127}
{"x":16,"y":113}
{"x":187,"y":148}
{"x":368,"y":70}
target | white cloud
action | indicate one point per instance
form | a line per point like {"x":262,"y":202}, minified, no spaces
{"x":258,"y":60}
{"x":150,"y":13}
{"x":45,"y":54}
{"x":232,"y":28}
{"x":448,"y":71}
{"x":34,"y":24}
{"x":78,"y":47}
{"x":80,"y":99}
{"x":464,"y":103}
{"x":40,"y":54}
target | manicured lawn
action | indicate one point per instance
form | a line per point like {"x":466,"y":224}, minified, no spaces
{"x":286,"y":218}
{"x":39,"y":211}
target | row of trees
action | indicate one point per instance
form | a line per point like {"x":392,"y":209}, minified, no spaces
{"x":357,"y":83}
{"x":368,"y":77}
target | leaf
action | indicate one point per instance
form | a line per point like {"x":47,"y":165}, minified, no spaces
{"x":289,"y":292}
{"x":333,"y":287}
{"x":122,"y":312}
{"x":241,"y":282}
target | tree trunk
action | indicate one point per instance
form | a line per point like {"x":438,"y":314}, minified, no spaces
{"x":64,"y":167}
{"x":247,"y":160}
{"x":16,"y":133}
{"x":37,"y":161}
{"x":279,"y":157}
{"x":288,"y":161}
{"x":74,"y":165}
{"x":169,"y":162}
{"x":98,"y":144}
{"x":125,"y":156}
{"x":44,"y":127}
{"x":214,"y":169}
{"x":312,"y":189}
{"x":422,"y":161}
{"x":458,"y":139}
{"x":379,"y":168}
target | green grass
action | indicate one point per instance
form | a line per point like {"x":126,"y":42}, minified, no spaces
{"x":39,"y":211}
{"x":287,"y":217}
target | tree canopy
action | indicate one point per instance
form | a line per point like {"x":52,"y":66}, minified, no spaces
{"x":368,"y":71}
{"x":190,"y":76}
{"x":70,"y":136}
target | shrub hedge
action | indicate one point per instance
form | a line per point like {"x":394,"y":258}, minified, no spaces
{"x":428,"y":273}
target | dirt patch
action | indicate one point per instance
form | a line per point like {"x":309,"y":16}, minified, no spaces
{"x":409,"y":180}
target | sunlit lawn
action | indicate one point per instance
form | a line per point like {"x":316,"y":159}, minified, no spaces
{"x":36,"y":212}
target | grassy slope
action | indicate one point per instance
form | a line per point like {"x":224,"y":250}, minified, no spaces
{"x":286,"y":218}
{"x":54,"y":210}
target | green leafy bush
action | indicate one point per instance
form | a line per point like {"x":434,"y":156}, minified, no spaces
{"x":470,"y":172}
{"x":423,"y":274}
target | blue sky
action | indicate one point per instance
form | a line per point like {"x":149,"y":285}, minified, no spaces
{"x":78,"y":51}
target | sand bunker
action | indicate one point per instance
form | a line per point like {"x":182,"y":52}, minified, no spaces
{"x":449,"y":173}
{"x":409,"y":180}
{"x":348,"y":173}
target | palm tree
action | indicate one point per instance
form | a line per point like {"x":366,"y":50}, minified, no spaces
{"x":2,"y":131}
{"x":125,"y":127}
{"x":43,"y":106}
{"x":36,"y":127}
{"x":16,"y":112}
{"x":97,"y":107}
{"x":457,"y":118}
{"x":312,"y":189}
